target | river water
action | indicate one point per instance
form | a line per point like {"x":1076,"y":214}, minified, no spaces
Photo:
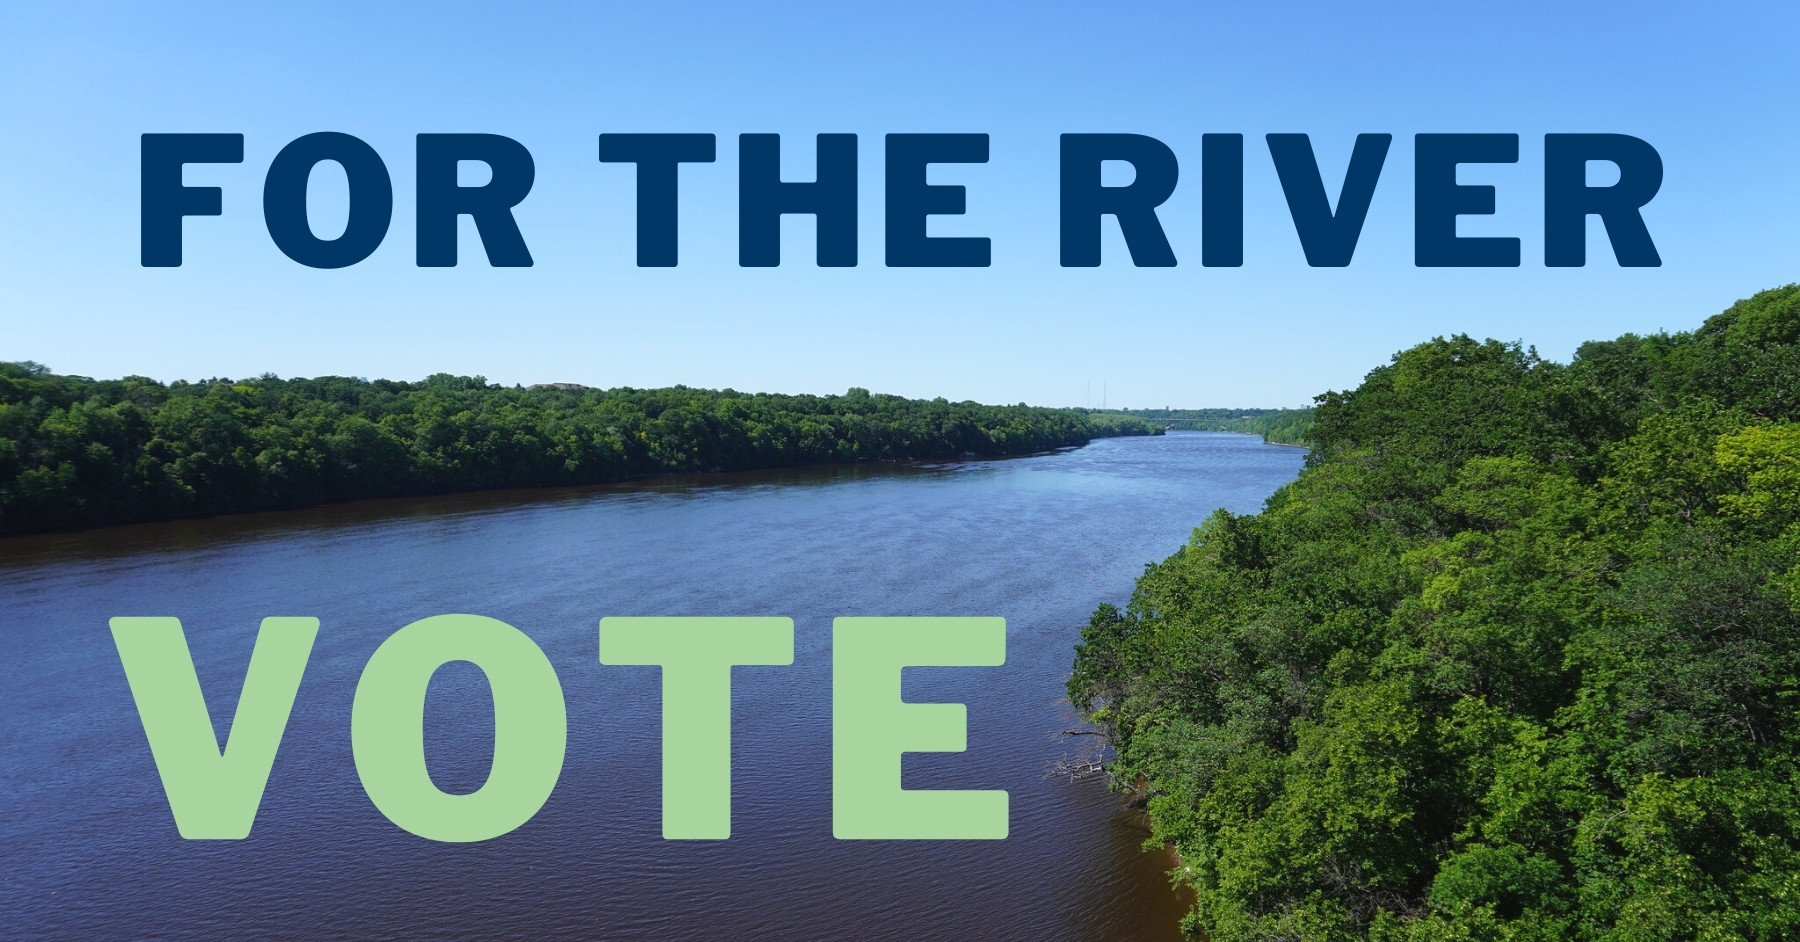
{"x":91,"y":851}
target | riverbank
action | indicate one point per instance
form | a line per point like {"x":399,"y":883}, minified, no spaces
{"x":77,"y":452}
{"x":1276,"y":426}
{"x":1515,"y":655}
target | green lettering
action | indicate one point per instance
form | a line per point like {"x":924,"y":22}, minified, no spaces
{"x":213,"y":793}
{"x":387,"y":728}
{"x":872,"y":726}
{"x":696,"y":656}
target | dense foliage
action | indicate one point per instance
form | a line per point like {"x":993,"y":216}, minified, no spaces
{"x":75,"y":452}
{"x":1516,"y":657}
{"x":1279,"y":426}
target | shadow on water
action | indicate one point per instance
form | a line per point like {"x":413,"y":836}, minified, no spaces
{"x":199,"y":533}
{"x":194,"y":533}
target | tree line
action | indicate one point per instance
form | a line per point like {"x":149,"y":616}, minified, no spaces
{"x":78,"y":452}
{"x":1517,"y":657}
{"x":1277,"y":426}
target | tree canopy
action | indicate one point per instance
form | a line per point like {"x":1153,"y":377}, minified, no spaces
{"x":76,"y":452}
{"x":1517,"y":657}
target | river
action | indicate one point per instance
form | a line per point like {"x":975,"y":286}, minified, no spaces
{"x":91,"y":850}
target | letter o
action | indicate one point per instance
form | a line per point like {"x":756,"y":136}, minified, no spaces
{"x":284,"y":200}
{"x":387,"y":728}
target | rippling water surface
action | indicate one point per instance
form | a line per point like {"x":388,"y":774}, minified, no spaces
{"x":90,"y":850}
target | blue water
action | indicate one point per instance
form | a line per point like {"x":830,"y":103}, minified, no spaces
{"x":91,"y":851}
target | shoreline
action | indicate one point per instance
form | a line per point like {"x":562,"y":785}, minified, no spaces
{"x":712,"y":474}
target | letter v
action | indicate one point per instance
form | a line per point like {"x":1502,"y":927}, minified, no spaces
{"x":213,"y":793}
{"x":1328,"y":237}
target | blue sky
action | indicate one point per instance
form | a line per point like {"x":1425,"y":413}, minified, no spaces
{"x":1713,"y":88}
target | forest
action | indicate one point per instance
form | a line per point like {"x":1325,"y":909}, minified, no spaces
{"x":77,"y":452}
{"x":1516,"y":657}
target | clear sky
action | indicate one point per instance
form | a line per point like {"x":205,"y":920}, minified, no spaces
{"x":1713,"y":87}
